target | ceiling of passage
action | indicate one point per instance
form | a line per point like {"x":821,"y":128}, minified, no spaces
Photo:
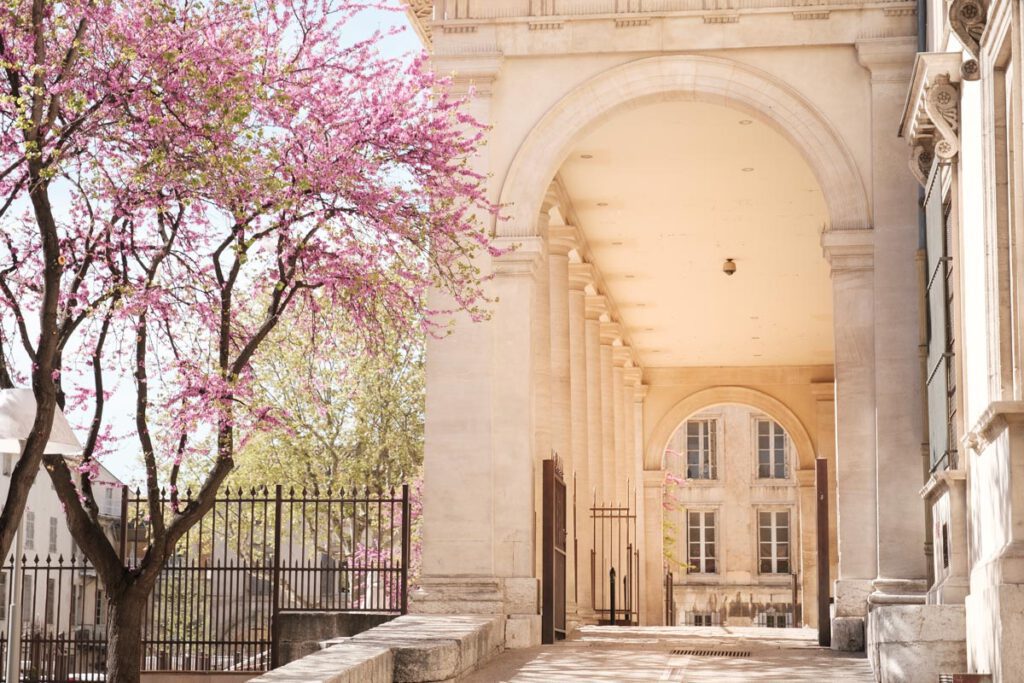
{"x":664,"y":194}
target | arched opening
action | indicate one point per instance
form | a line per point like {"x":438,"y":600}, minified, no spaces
{"x":732,"y":522}
{"x":646,"y":183}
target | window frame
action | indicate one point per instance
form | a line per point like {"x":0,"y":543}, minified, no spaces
{"x":699,"y":565}
{"x":707,"y":459}
{"x":774,"y":558}
{"x":775,"y":430}
{"x":30,"y":530}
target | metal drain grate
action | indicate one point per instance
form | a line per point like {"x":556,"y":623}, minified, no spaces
{"x":712,"y":653}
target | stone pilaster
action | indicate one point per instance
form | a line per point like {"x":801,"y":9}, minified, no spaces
{"x":898,"y":392}
{"x":542,"y":371}
{"x":654,"y":548}
{"x":849,"y":253}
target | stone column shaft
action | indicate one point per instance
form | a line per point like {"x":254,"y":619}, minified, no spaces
{"x":606,"y":494}
{"x":583,"y":535}
{"x":560,"y":241}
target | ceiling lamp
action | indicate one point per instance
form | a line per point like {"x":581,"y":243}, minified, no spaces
{"x":729,"y":267}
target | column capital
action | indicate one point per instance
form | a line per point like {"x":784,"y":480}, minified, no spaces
{"x":582,"y":276}
{"x":632,"y":376}
{"x":888,"y":59}
{"x":475,"y":73}
{"x":823,"y":391}
{"x":654,"y":479}
{"x":610,"y":332}
{"x":597,"y":307}
{"x":521,"y":258}
{"x":562,"y":239}
{"x":622,"y":355}
{"x":849,"y":250}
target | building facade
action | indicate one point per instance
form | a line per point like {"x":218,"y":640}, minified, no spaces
{"x":810,"y":209}
{"x":732,"y":521}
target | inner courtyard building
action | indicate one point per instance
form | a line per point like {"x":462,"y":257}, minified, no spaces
{"x":756,"y":306}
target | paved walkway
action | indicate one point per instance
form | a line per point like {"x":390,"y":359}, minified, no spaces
{"x":605,"y":654}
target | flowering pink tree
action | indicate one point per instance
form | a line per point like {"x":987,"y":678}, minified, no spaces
{"x":179,"y":179}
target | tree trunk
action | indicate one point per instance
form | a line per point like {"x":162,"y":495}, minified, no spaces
{"x":124,"y":636}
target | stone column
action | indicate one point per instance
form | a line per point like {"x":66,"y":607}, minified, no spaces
{"x":850,"y":256}
{"x":626,"y":465}
{"x":902,"y":571}
{"x":808,"y":558}
{"x":607,"y":493}
{"x":542,"y":376}
{"x":561,"y":239}
{"x":634,"y":455}
{"x":654,"y":548}
{"x":595,"y":421}
{"x":619,"y":473}
{"x":579,"y":278}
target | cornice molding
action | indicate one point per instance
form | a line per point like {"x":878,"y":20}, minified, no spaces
{"x":888,"y":59}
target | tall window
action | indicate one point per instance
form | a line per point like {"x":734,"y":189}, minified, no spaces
{"x":30,"y":530}
{"x":700,"y":536}
{"x":771,"y":450}
{"x":4,"y":597}
{"x":98,"y":608}
{"x":701,"y":447}
{"x":53,"y":534}
{"x":773,"y":542}
{"x":51,"y":594}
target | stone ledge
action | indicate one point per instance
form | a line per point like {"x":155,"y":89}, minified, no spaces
{"x":410,"y":649}
{"x":436,"y":648}
{"x":347,"y":663}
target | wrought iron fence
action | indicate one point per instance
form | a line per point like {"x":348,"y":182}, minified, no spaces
{"x":256,"y":554}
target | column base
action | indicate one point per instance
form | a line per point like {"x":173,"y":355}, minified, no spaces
{"x":850,"y":610}
{"x":927,"y":640}
{"x":898,"y":592}
{"x":848,"y":634}
{"x":852,"y":597}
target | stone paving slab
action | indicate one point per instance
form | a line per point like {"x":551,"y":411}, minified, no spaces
{"x":607,"y":654}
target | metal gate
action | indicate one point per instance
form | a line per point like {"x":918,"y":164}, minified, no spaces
{"x":615,"y":563}
{"x":553,"y":608}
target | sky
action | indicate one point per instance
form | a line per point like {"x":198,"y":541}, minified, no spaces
{"x":120,"y":410}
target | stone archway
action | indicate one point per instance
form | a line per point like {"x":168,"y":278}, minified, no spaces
{"x":695,"y":77}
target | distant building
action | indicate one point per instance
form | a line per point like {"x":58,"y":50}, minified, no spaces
{"x":54,"y":595}
{"x":733,"y":522}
